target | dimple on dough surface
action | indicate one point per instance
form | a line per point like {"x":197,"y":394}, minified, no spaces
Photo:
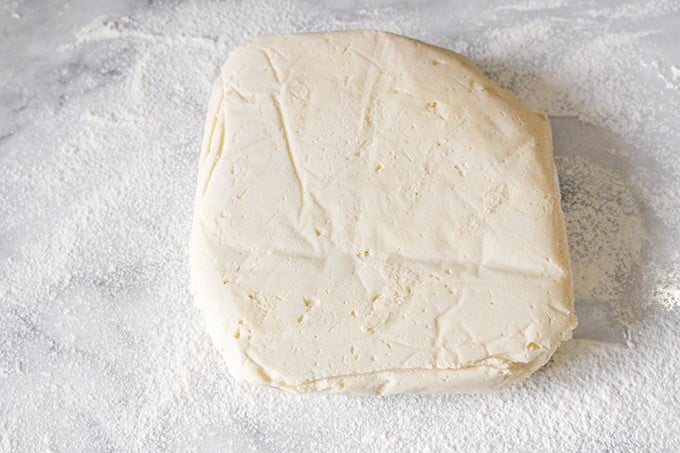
{"x":374,"y":215}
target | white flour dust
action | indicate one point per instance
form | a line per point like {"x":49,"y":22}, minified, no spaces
{"x":102,"y":347}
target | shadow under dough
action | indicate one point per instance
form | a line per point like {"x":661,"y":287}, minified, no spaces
{"x":607,"y":227}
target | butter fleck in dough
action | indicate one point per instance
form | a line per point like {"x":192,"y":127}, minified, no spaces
{"x":374,"y":215}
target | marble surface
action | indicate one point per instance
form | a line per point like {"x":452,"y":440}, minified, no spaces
{"x":101,"y":114}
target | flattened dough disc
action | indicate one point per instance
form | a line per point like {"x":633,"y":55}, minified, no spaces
{"x":374,"y":215}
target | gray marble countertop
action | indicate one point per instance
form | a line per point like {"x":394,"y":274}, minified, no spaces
{"x":102,"y":106}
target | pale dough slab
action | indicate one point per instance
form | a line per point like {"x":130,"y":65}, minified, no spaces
{"x":374,"y":215}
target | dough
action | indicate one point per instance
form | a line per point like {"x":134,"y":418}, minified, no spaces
{"x":374,"y":215}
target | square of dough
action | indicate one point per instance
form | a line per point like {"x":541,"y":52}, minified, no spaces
{"x":374,"y":215}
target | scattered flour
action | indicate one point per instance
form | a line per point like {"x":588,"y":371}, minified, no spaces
{"x":102,"y":347}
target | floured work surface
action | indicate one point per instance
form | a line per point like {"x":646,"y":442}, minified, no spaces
{"x":374,"y":215}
